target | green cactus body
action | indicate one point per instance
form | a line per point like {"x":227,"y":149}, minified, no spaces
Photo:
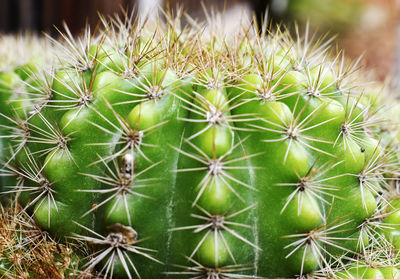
{"x":205,"y":161}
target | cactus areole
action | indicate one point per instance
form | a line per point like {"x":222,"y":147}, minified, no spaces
{"x":177,"y":153}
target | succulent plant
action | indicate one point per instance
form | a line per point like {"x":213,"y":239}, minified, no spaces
{"x":28,"y":252}
{"x":177,"y":153}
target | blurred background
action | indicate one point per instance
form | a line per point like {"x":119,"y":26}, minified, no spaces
{"x":368,"y":27}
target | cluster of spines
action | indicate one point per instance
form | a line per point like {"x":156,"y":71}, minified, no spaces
{"x":272,"y":137}
{"x":29,"y":252}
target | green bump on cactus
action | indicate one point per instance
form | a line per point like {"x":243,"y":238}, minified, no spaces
{"x":179,"y":154}
{"x":26,"y":250}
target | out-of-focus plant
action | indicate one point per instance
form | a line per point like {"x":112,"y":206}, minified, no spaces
{"x":335,"y":15}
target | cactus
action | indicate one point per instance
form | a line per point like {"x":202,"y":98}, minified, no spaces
{"x":175,"y":154}
{"x":28,"y":252}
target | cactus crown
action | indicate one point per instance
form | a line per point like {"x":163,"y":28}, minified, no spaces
{"x":175,"y":152}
